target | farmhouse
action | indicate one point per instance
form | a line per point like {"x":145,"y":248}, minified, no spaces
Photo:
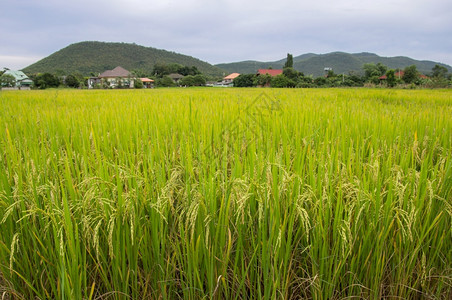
{"x":228,"y":79}
{"x":113,"y":78}
{"x":270,"y":72}
{"x":176,"y":77}
{"x":22,"y":80}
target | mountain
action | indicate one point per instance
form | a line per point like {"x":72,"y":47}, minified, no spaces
{"x":341,"y":62}
{"x":96,"y":57}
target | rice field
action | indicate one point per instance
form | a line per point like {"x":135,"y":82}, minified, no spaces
{"x":226,"y":194}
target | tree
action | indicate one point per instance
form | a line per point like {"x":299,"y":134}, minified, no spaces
{"x":289,"y":61}
{"x":187,"y":81}
{"x":160,"y":70}
{"x":46,"y":80}
{"x":281,"y":81}
{"x":199,"y":80}
{"x":72,"y":81}
{"x":138,"y":84}
{"x":410,"y":74}
{"x":439,"y":71}
{"x":184,"y":70}
{"x":263,"y":80}
{"x":373,"y":71}
{"x":7,"y":80}
{"x":165,"y":81}
{"x":244,"y":80}
{"x":320,"y":81}
{"x":291,"y":73}
{"x":390,"y":78}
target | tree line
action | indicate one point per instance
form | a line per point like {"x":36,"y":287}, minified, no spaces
{"x":371,"y":76}
{"x":291,"y":78}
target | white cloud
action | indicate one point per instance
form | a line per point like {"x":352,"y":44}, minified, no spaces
{"x":222,"y":31}
{"x":17,"y":62}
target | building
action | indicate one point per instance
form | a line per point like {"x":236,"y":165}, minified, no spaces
{"x":118,"y":77}
{"x":176,"y":77}
{"x":270,"y":72}
{"x":230,"y":78}
{"x":22,"y":80}
{"x":147,"y":83}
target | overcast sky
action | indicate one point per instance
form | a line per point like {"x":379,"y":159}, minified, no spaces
{"x":219,"y":31}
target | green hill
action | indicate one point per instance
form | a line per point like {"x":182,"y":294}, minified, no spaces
{"x":96,"y":57}
{"x":341,"y":62}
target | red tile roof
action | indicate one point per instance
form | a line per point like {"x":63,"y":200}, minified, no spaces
{"x":146,"y":80}
{"x":270,"y":72}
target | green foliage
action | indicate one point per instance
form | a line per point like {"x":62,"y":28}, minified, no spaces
{"x":313,"y":64}
{"x":46,"y":80}
{"x":281,"y":81}
{"x":411,"y":74}
{"x":263,"y":80}
{"x":439,"y":71}
{"x":97,"y":57}
{"x":390,"y":78}
{"x":7,"y":80}
{"x":226,"y":194}
{"x":72,"y":81}
{"x":141,"y":73}
{"x":190,"y":80}
{"x":165,"y":81}
{"x":138,"y":84}
{"x":320,"y":81}
{"x":291,"y":73}
{"x":245,"y":80}
{"x":373,"y":71}
{"x":160,"y":70}
{"x":289,"y":61}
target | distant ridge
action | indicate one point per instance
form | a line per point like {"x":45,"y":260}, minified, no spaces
{"x":341,"y":62}
{"x":96,"y":57}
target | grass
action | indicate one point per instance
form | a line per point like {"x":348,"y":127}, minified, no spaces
{"x":226,"y":194}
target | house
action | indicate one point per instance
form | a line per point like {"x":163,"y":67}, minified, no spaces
{"x":147,"y":83}
{"x":228,"y":79}
{"x":270,"y":72}
{"x":22,"y":80}
{"x":113,"y":78}
{"x":399,"y":75}
{"x":176,"y":77}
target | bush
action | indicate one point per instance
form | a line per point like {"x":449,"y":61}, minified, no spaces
{"x":281,"y":81}
{"x":244,"y":80}
{"x":138,"y":84}
{"x":7,"y":80}
{"x":72,"y":81}
{"x":46,"y":80}
{"x":165,"y":81}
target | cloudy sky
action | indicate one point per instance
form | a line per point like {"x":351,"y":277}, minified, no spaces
{"x":225,"y":31}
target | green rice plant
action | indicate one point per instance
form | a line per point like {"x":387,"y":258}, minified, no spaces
{"x":226,"y":194}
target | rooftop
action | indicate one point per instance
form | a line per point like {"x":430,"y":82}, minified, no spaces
{"x":270,"y":72}
{"x":116,"y":72}
{"x":18,"y":75}
{"x":232,"y":76}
